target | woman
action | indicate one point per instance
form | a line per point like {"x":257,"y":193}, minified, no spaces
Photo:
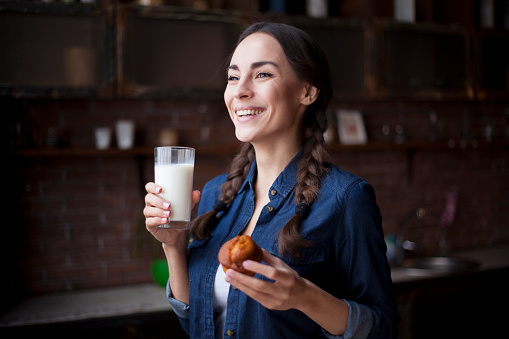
{"x":324,"y":272}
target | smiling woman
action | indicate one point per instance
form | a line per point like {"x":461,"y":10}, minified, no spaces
{"x":261,"y":80}
{"x":324,"y":272}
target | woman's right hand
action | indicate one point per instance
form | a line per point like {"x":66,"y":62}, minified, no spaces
{"x":157,"y":212}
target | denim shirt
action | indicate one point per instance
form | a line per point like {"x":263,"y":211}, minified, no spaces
{"x":347,"y":259}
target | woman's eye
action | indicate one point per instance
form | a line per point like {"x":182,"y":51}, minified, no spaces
{"x":232,"y":78}
{"x":264,"y":75}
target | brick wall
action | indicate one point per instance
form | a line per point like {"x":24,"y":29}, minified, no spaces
{"x":76,"y":221}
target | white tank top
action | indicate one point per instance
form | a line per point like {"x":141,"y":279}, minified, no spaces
{"x":221,"y":289}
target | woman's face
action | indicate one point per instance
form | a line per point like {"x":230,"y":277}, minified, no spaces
{"x":264,"y":97}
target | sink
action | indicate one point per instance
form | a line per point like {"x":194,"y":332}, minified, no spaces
{"x":432,"y":267}
{"x":442,"y":264}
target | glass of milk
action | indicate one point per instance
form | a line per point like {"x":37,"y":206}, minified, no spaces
{"x":174,"y":167}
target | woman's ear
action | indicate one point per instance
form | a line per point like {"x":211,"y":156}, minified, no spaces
{"x":310,"y":94}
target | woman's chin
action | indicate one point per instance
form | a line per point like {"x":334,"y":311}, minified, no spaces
{"x":242,"y":136}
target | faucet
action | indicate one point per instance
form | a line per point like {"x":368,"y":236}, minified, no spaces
{"x":401,"y":244}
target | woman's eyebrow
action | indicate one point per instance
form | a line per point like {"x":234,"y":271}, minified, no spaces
{"x":254,"y":65}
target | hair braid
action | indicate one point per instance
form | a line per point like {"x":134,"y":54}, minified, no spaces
{"x":238,"y":172}
{"x":311,"y":170}
{"x":241,"y":164}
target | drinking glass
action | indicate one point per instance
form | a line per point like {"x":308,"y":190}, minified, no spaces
{"x":174,"y":168}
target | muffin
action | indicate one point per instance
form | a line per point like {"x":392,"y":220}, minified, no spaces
{"x":235,"y":251}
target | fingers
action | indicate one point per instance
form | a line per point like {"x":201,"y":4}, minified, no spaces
{"x":155,"y":216}
{"x":281,"y":292}
{"x":152,"y":199}
{"x":266,"y":293}
{"x":157,"y":210}
{"x":153,"y":188}
{"x":196,"y":196}
{"x":275,"y":269}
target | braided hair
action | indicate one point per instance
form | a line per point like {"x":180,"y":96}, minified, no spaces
{"x":310,"y":64}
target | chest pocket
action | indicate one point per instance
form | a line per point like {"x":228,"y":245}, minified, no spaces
{"x":311,"y":259}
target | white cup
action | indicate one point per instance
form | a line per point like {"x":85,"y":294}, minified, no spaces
{"x":317,"y":8}
{"x":404,"y":10}
{"x":102,"y":137}
{"x":124,"y":130}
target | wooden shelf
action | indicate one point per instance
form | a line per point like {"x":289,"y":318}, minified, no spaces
{"x":419,"y":145}
{"x":374,"y":146}
{"x":56,"y":152}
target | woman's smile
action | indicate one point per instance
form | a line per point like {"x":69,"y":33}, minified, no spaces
{"x":248,"y":113}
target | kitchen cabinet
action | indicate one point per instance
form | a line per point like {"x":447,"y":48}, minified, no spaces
{"x":55,"y":50}
{"x":125,"y":50}
{"x":188,"y":51}
{"x":347,"y":45}
{"x":426,"y":61}
{"x":461,"y":305}
{"x":492,"y":51}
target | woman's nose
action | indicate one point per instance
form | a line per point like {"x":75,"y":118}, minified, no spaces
{"x":243,"y":89}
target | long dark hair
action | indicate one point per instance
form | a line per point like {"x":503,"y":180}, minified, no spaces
{"x":310,"y":64}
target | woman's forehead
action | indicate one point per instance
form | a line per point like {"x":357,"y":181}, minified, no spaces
{"x":258,"y":47}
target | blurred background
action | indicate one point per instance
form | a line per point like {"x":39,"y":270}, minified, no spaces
{"x":88,"y":88}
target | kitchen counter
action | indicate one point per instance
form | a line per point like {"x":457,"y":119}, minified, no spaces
{"x":489,"y":259}
{"x":125,"y":305}
{"x":100,"y":303}
{"x":458,"y":305}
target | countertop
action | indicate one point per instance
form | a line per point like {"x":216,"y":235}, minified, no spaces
{"x":151,"y":298}
{"x":488,"y":258}
{"x":88,"y":304}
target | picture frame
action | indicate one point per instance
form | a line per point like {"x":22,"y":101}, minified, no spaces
{"x":351,"y":128}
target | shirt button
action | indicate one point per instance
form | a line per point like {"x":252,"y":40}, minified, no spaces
{"x":273,"y":192}
{"x":230,"y":333}
{"x":270,"y":208}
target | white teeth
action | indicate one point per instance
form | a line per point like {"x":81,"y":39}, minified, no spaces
{"x":246,"y":112}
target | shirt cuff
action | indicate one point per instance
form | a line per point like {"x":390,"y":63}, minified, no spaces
{"x":180,"y":309}
{"x":360,"y":322}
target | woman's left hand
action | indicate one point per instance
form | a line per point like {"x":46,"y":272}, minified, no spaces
{"x":286,"y":290}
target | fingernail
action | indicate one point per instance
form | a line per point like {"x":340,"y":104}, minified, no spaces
{"x":164,"y":220}
{"x":166,"y":205}
{"x":247,"y":264}
{"x":167,"y":212}
{"x":228,"y":278}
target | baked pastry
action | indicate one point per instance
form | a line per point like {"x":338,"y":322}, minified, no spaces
{"x":235,"y":251}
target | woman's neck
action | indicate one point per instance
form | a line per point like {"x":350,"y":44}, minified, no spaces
{"x":271,"y":161}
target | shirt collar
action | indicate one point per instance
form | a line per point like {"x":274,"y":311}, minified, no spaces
{"x":284,"y":183}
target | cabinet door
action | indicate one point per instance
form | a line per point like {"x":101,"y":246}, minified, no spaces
{"x":493,"y":65}
{"x":54,"y":51}
{"x":346,"y":47}
{"x":167,"y":54}
{"x":423,"y":62}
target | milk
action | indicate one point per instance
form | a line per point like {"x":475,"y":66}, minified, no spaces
{"x":177,"y":183}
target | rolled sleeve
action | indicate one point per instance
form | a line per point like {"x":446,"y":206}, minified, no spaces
{"x":359,"y":324}
{"x":180,"y":309}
